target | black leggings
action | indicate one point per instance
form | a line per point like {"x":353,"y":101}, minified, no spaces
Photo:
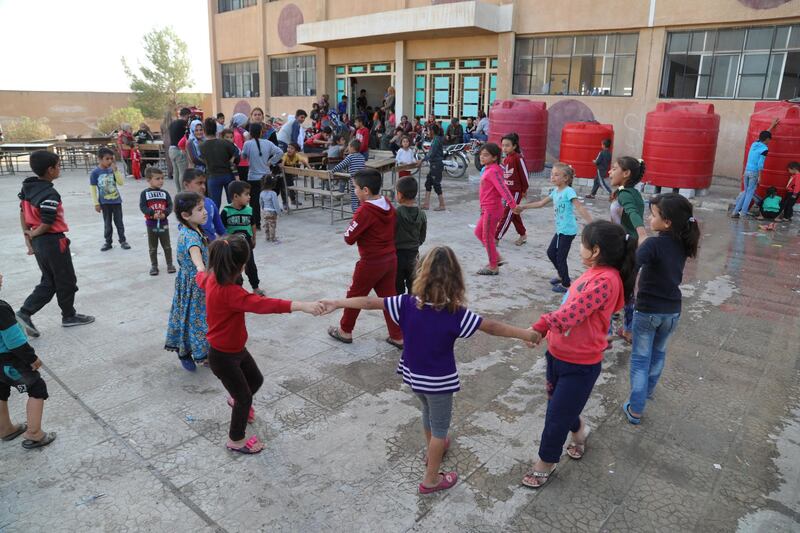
{"x":558,"y":252}
{"x":787,"y":205}
{"x":434,"y":179}
{"x":241,"y":377}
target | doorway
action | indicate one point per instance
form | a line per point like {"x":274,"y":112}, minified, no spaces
{"x":372,"y":77}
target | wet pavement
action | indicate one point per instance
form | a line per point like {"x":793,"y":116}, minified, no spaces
{"x":140,"y":441}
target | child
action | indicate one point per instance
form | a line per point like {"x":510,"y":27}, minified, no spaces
{"x":602,"y":162}
{"x":576,"y":338}
{"x":435,"y":158}
{"x":103,"y":182}
{"x":792,"y":192}
{"x":754,"y":166}
{"x":412,"y":227}
{"x":627,"y":208}
{"x":353,"y":163}
{"x":362,"y":136}
{"x":44,"y":227}
{"x":226,"y":134}
{"x":262,"y":155}
{"x":372,"y":228}
{"x":270,"y":204}
{"x":293,"y":158}
{"x":770,"y":205}
{"x":186,"y":329}
{"x":227,"y":302}
{"x":337,"y":147}
{"x":658,"y":300}
{"x":194,"y":180}
{"x":20,"y":367}
{"x":492,"y":192}
{"x":565,"y":201}
{"x":239,"y":218}
{"x":516,"y":175}
{"x":432,"y":318}
{"x":156,"y":204}
{"x":405,"y":155}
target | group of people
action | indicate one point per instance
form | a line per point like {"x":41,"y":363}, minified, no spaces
{"x":423,"y":298}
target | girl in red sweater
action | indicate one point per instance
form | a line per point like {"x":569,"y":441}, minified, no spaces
{"x":493,"y":190}
{"x":516,"y":175}
{"x":226,"y":304}
{"x":576,"y":337}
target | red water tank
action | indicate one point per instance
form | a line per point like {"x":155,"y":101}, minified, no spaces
{"x":680,"y":143}
{"x":580,"y":144}
{"x":784,"y":146}
{"x":526,"y":118}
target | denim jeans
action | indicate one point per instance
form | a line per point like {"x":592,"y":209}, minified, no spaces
{"x":745,"y":197}
{"x":216,"y":185}
{"x":651,"y":331}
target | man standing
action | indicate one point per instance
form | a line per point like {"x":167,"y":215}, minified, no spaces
{"x":752,"y":171}
{"x":177,"y":130}
{"x":293,"y":131}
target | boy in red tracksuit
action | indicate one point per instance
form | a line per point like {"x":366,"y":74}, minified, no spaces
{"x":373,"y":229}
{"x":516,"y":176}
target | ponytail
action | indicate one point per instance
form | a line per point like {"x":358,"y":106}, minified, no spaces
{"x":513,"y":138}
{"x":567,"y":170}
{"x":634,"y":166}
{"x":617,"y":250}
{"x":226,"y":257}
{"x":255,"y":133}
{"x":679,"y":212}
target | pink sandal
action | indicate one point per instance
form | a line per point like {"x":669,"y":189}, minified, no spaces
{"x":250,"y":417}
{"x":448,"y":480}
{"x":247,"y":449}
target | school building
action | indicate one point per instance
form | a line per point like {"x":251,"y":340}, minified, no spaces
{"x":610,"y":60}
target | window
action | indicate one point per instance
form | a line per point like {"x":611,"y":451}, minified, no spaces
{"x":230,"y":5}
{"x":294,"y":76}
{"x":240,"y":80}
{"x":588,"y":65}
{"x":760,"y":63}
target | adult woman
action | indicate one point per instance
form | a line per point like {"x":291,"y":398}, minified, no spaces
{"x":196,"y":136}
{"x":238,"y":121}
{"x":125,"y":145}
{"x":388,"y":106}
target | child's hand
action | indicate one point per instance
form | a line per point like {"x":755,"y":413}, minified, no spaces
{"x":518,"y":210}
{"x":253,"y":241}
{"x":535,"y":338}
{"x":312,"y":308}
{"x":97,"y":208}
{"x":329,"y":306}
{"x":36,"y":365}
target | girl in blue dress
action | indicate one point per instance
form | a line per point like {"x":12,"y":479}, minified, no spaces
{"x":186,"y":329}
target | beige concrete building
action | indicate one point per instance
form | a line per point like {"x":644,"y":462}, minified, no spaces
{"x":610,"y":60}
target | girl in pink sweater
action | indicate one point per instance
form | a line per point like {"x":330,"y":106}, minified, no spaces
{"x":493,"y":190}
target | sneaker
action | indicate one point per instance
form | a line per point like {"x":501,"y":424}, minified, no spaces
{"x":26,"y":323}
{"x":589,"y":196}
{"x":154,"y":271}
{"x":189,"y":365}
{"x":125,"y":245}
{"x":171,"y":269}
{"x":555,"y":281}
{"x":76,"y":320}
{"x":559,"y":289}
{"x":260,"y":292}
{"x":106,"y":247}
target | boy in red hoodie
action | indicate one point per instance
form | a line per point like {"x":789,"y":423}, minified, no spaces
{"x":372,"y":228}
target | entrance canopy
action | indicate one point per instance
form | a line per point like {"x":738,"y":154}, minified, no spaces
{"x":445,"y":20}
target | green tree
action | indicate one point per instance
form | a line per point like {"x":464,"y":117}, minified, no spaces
{"x":158,"y":84}
{"x":116,"y":117}
{"x":26,"y":129}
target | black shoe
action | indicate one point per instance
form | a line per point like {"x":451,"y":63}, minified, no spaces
{"x":171,"y":269}
{"x":106,"y":247}
{"x":26,"y":323}
{"x":154,"y":271}
{"x":76,"y":320}
{"x":125,"y":245}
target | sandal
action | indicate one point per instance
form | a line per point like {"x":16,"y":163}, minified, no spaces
{"x":398,"y":345}
{"x":486,"y":271}
{"x":576,"y":450}
{"x":448,"y":480}
{"x":635,"y":420}
{"x":530,"y":479}
{"x":20,"y":429}
{"x":29,"y":444}
{"x":247,"y":449}
{"x":334,"y":332}
{"x":521,"y":240}
{"x":251,"y":416}
{"x":446,"y":447}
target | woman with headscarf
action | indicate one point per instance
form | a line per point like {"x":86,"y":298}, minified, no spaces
{"x":125,"y":145}
{"x":196,"y":136}
{"x":238,"y":123}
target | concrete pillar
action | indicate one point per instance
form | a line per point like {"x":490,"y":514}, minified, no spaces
{"x":216,"y":76}
{"x":403,"y":82}
{"x":505,"y":64}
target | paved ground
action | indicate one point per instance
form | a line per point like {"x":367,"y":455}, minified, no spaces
{"x":140,"y":440}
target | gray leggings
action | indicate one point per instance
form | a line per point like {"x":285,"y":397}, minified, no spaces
{"x":437,"y":411}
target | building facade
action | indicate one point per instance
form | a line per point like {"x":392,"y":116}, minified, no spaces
{"x":610,"y":61}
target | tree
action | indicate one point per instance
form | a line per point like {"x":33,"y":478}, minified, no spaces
{"x":158,"y":84}
{"x":26,"y":129}
{"x":116,"y":117}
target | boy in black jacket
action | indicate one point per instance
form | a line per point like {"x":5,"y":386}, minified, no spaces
{"x":156,"y":204}
{"x":42,"y":219}
{"x":18,"y":368}
{"x":412,"y":227}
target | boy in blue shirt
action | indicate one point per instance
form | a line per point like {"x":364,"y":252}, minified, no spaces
{"x":104,"y":182}
{"x":752,"y":171}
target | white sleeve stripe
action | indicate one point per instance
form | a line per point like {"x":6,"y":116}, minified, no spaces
{"x":393,"y":306}
{"x":469,"y":328}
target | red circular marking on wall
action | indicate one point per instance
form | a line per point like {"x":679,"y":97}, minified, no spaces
{"x":289,"y":19}
{"x":763,"y":4}
{"x":242,"y":106}
{"x":559,"y":114}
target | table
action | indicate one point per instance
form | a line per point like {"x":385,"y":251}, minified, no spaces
{"x":325,"y":177}
{"x":10,"y":154}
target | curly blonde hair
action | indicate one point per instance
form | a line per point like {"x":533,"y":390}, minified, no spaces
{"x":439,"y":281}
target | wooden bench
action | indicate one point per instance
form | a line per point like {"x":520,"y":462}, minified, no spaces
{"x":336,"y":199}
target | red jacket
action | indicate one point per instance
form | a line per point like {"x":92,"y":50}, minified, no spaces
{"x":41,"y":204}
{"x":515,"y":173}
{"x":225,"y":309}
{"x":362,"y":136}
{"x":372,"y":228}
{"x":577,"y":331}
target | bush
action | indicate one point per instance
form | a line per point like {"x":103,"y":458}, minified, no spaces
{"x":26,"y":129}
{"x":115,"y":117}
